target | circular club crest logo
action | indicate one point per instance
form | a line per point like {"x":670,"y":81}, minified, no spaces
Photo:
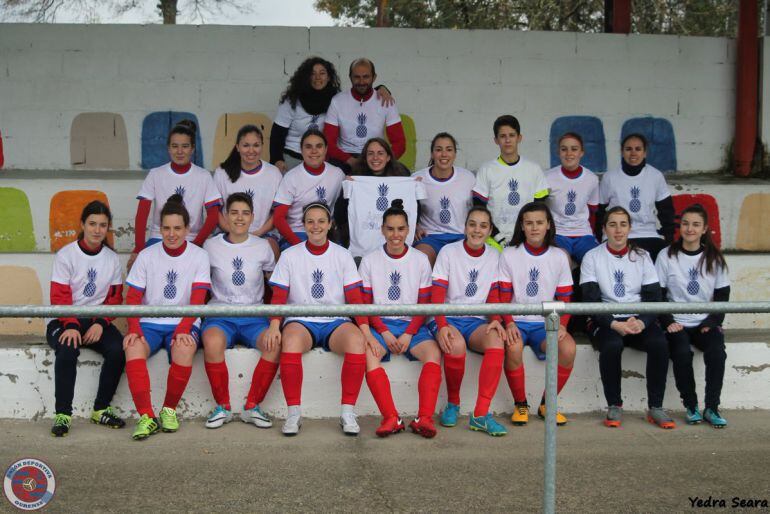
{"x":29,"y":484}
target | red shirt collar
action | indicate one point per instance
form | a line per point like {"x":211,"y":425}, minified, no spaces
{"x":385,"y":249}
{"x":87,"y":249}
{"x":572,"y":174}
{"x":317,"y":250}
{"x":618,"y":253}
{"x":363,"y":98}
{"x":315,"y":171}
{"x":175,"y":253}
{"x":180,"y":169}
{"x":535,"y":251}
{"x":473,"y":253}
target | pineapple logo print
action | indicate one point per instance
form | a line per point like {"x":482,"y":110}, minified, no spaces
{"x":513,"y":197}
{"x":250,"y":192}
{"x":569,"y":208}
{"x":320,"y":191}
{"x":317,"y":290}
{"x":313,"y":125}
{"x":239,"y":277}
{"x":532,"y":287}
{"x":444,"y":216}
{"x":693,"y":286}
{"x":180,"y":190}
{"x":635,"y":205}
{"x":619,"y":288}
{"x":169,"y":292}
{"x":90,"y":289}
{"x":361,"y":129}
{"x":382,"y":200}
{"x":472,"y":288}
{"x":394,"y":292}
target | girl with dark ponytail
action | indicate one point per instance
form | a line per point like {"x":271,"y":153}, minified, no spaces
{"x":174,"y":272}
{"x":694,"y":270}
{"x":397,"y":274}
{"x":181,"y":177}
{"x":245,"y":172}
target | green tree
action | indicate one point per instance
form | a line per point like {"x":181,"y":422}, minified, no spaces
{"x":684,"y":17}
{"x":46,"y":11}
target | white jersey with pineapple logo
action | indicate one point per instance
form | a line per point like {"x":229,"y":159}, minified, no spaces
{"x":686,"y":280}
{"x":299,"y":187}
{"x":448,"y":201}
{"x":507,"y":188}
{"x":359,"y":121}
{"x":298,"y":121}
{"x":168,"y":280}
{"x":535,"y":278}
{"x":261,"y":186}
{"x":89,"y":276}
{"x":620,"y":278}
{"x":569,"y":199}
{"x":316,"y":279}
{"x":637,"y":195}
{"x":395,"y":280}
{"x":468,"y":279}
{"x":196,"y":187}
{"x":237,"y":270}
{"x":369,"y":198}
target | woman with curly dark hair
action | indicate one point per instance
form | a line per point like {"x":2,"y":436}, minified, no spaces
{"x":303,"y":106}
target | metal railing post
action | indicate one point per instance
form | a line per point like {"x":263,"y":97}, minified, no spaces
{"x":552,"y":321}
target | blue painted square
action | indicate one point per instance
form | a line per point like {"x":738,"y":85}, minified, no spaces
{"x":591,"y":130}
{"x":155,"y":129}
{"x":659,"y":132}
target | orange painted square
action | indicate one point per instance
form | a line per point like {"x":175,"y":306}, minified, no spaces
{"x":64,"y":216}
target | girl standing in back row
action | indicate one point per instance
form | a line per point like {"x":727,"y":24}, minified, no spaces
{"x":178,"y":177}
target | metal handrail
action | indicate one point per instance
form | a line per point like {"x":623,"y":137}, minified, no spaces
{"x":552,"y":312}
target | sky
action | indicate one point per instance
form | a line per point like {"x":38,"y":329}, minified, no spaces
{"x":260,"y":12}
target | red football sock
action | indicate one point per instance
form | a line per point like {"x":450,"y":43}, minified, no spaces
{"x":562,"y":375}
{"x":291,"y":377}
{"x":139,"y":385}
{"x":516,"y":383}
{"x":353,"y":370}
{"x":489,"y":377}
{"x":427,"y":386}
{"x":220,"y":382}
{"x":379,"y":385}
{"x":454,"y":369}
{"x":178,"y":376}
{"x":261,"y":380}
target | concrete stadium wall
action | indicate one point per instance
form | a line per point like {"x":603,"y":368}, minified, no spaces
{"x":453,"y":80}
{"x":27,"y":388}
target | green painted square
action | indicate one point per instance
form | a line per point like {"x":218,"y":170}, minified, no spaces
{"x":16,"y":232}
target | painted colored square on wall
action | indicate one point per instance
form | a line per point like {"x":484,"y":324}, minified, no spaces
{"x":754,"y":225}
{"x":659,"y":132}
{"x":21,"y":286}
{"x":155,"y":129}
{"x":409,"y":159}
{"x":16,"y":229}
{"x":64,"y":216}
{"x":98,"y":141}
{"x":681,"y":202}
{"x":228,"y":126}
{"x":589,"y":128}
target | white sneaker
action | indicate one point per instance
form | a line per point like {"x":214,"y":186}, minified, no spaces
{"x":349,"y":423}
{"x":256,"y":416}
{"x":218,"y":417}
{"x":291,"y":425}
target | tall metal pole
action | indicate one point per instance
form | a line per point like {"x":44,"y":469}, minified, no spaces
{"x":552,"y":356}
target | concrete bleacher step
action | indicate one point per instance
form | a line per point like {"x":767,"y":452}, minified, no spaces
{"x":27,"y":381}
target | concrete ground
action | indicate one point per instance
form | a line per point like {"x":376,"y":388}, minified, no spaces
{"x":239,"y":468}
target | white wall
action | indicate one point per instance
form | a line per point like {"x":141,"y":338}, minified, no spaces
{"x":455,"y":80}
